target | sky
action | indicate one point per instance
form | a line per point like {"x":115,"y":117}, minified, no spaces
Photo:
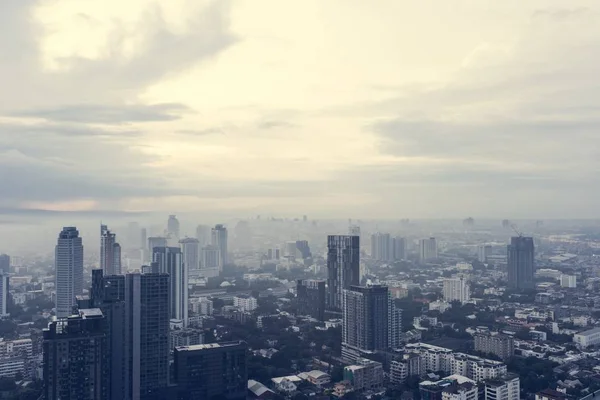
{"x":334,"y":109}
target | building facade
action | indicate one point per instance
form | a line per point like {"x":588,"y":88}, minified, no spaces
{"x":507,"y":387}
{"x":456,"y":289}
{"x":521,"y":263}
{"x":169,"y":260}
{"x":5,"y":263}
{"x":190,"y":248}
{"x":310,"y":295}
{"x":428,"y":249}
{"x":69,"y":270}
{"x":501,"y":345}
{"x":4,"y":293}
{"x":343,"y":267}
{"x":381,"y":247}
{"x":219,"y":239}
{"x":110,"y":252}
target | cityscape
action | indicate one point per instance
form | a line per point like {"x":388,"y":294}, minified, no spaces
{"x":299,"y":200}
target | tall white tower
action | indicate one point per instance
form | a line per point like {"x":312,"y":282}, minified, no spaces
{"x":3,"y":294}
{"x":68,"y":262}
{"x":190,"y":248}
{"x":169,"y":260}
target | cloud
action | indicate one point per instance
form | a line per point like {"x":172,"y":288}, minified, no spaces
{"x":201,"y":132}
{"x":271,"y":124}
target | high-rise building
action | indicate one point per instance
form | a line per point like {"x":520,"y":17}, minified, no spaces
{"x":428,"y":249}
{"x":191,"y":255}
{"x":456,"y":289}
{"x":173,"y":226}
{"x":394,"y":323}
{"x":69,"y":270}
{"x":310,"y":295}
{"x":156,"y":241}
{"x":75,"y":357}
{"x":169,"y":260}
{"x":506,"y":387}
{"x":381,"y":247}
{"x":136,"y":307}
{"x":4,"y":288}
{"x":219,"y":239}
{"x":354,"y":230}
{"x":210,"y":257}
{"x":399,"y":248}
{"x":365,"y":320}
{"x":520,"y":263}
{"x":343,"y":267}
{"x":110,"y":252}
{"x":4,"y":263}
{"x":203,"y":234}
{"x":483,"y":252}
{"x":501,"y":345}
{"x":212,"y":371}
{"x":143,"y":238}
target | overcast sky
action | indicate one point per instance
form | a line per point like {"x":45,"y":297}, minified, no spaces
{"x":331,"y":108}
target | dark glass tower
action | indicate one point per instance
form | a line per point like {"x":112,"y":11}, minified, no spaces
{"x":75,"y":357}
{"x":310,"y":295}
{"x":365,"y":317}
{"x":343,"y":267}
{"x":212,"y":371}
{"x":520,"y":263}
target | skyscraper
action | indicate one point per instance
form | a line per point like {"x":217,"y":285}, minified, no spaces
{"x":212,"y":371}
{"x":520,"y":263}
{"x":365,"y":320}
{"x":210,"y":257}
{"x":343,"y":267}
{"x":381,"y":247}
{"x":219,"y":239}
{"x":169,"y":260}
{"x":4,"y":287}
{"x":143,"y":238}
{"x":4,"y":263}
{"x":203,"y":234}
{"x":310,"y":295}
{"x":191,"y":255}
{"x":428,"y":249}
{"x":69,"y":270}
{"x":173,"y":226}
{"x":75,"y":357}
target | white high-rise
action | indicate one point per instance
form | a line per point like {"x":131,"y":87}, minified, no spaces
{"x":68,"y":263}
{"x":457,"y":289}
{"x":219,"y":239}
{"x":483,"y":252}
{"x":381,"y":247}
{"x":428,"y":249}
{"x":110,"y":252}
{"x":399,"y":248}
{"x":191,"y":255}
{"x":3,"y":294}
{"x":169,"y":260}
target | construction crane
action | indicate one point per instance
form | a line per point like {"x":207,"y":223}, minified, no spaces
{"x":517,"y":231}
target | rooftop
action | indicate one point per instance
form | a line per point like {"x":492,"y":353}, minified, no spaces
{"x":589,"y":332}
{"x":209,"y":346}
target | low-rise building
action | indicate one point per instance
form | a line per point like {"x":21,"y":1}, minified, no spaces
{"x":500,"y":345}
{"x":245,"y":303}
{"x":587,"y":338}
{"x":507,"y":387}
{"x":365,"y":375}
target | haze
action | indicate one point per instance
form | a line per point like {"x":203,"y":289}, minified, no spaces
{"x":334,"y":109}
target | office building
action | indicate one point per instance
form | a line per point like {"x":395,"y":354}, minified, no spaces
{"x":4,"y":294}
{"x":365,"y":375}
{"x":69,"y":270}
{"x":203,"y":234}
{"x":365,"y":320}
{"x":210,"y":257}
{"x":456,"y":289}
{"x":110,"y":252}
{"x":173,"y":227}
{"x":245,"y":303}
{"x":169,"y":260}
{"x":75,"y":357}
{"x":520,"y":263}
{"x":381,"y":247}
{"x":5,"y":263}
{"x":568,"y":281}
{"x":212,"y":371}
{"x":428,"y":250}
{"x":394,"y":323}
{"x":500,"y":345}
{"x":191,"y":255}
{"x":219,"y":239}
{"x":399,"y":249}
{"x":507,"y":387}
{"x":483,"y":252}
{"x":310,"y":295}
{"x":343,"y":267}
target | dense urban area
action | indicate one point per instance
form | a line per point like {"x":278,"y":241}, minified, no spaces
{"x":446,"y":310}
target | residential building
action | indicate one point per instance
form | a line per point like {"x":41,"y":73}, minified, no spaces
{"x":507,"y":387}
{"x":210,"y":258}
{"x":364,"y":375}
{"x":212,"y":371}
{"x":5,"y":263}
{"x":521,"y":263}
{"x":69,"y":270}
{"x":587,"y":338}
{"x":202,"y":306}
{"x":394,"y":323}
{"x":191,"y":255}
{"x":365,"y":320}
{"x":185,"y":337}
{"x":75,"y":357}
{"x":203,"y":234}
{"x":457,"y":289}
{"x":219,"y":239}
{"x":310,"y":295}
{"x":501,"y":345}
{"x":483,"y":252}
{"x":245,"y":303}
{"x":428,"y":250}
{"x":4,"y":293}
{"x":568,"y":281}
{"x":381,"y":247}
{"x":461,"y":391}
{"x":399,"y":249}
{"x":454,"y":387}
{"x":110,"y":252}
{"x":343,"y":267}
{"x":169,"y":260}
